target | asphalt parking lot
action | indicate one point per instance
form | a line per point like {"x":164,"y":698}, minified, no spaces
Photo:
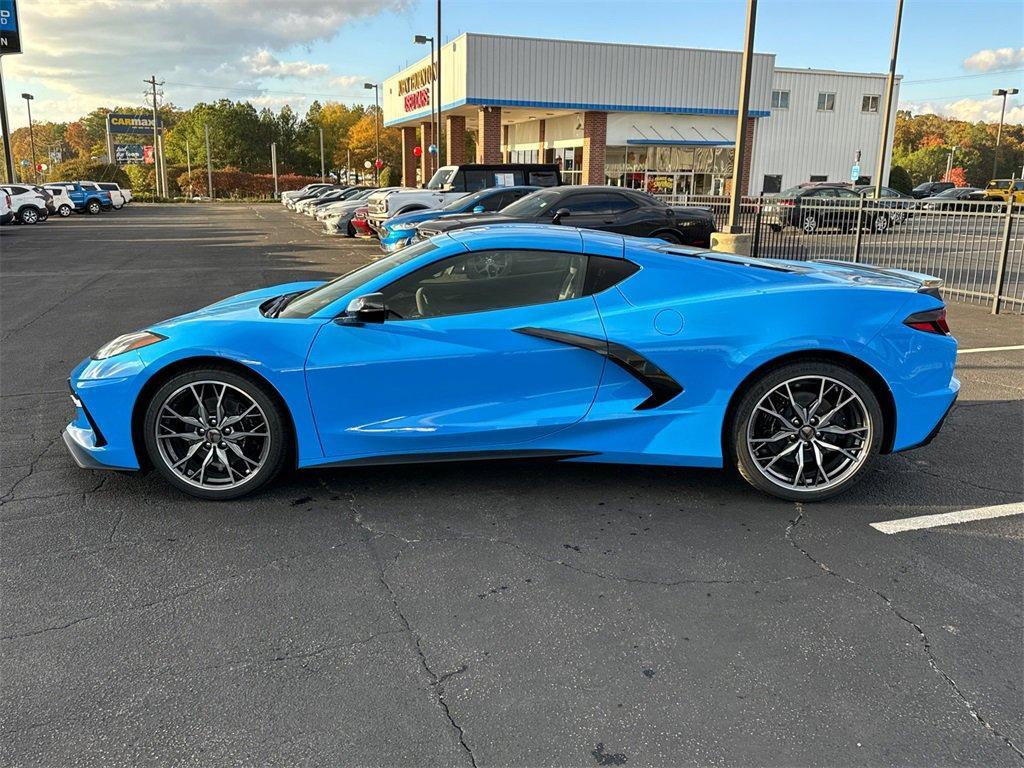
{"x":505,"y":614}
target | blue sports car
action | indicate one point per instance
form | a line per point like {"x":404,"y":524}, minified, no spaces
{"x":532,"y":341}
{"x":398,"y":231}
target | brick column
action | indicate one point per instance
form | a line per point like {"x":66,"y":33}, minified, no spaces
{"x":455,"y":139}
{"x":409,"y":161}
{"x":595,"y":127}
{"x":428,"y":162}
{"x":541,"y":127}
{"x":488,"y":145}
{"x":748,"y":156}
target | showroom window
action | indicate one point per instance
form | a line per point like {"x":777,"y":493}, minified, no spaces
{"x":780,"y":99}
{"x":818,"y":178}
{"x":772,"y":183}
{"x":869,"y":103}
{"x":483,"y":281}
{"x":826,"y":102}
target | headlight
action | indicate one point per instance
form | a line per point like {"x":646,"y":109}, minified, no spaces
{"x":127,"y":343}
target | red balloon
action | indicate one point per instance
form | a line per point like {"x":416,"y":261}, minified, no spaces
{"x":379,"y":163}
{"x":417,"y":151}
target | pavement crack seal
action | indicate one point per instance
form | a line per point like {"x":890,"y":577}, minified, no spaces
{"x":925,"y":643}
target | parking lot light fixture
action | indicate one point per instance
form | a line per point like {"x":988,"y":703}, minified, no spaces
{"x":376,"y":128}
{"x":28,"y":97}
{"x":434,"y":118}
{"x":1004,"y":92}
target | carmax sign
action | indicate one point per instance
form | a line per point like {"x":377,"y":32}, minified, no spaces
{"x":117,"y":123}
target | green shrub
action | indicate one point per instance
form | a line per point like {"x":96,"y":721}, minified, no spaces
{"x":389,"y":177}
{"x":900,"y":180}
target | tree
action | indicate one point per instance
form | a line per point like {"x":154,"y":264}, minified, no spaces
{"x":899,"y":179}
{"x":361,"y":141}
{"x":957,"y":176}
{"x":85,"y":168}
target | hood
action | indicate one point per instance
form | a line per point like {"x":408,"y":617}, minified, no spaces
{"x":247,"y":303}
{"x":460,"y":220}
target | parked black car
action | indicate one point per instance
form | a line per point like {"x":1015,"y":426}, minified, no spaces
{"x":955,"y":199}
{"x":813,"y":209}
{"x":897,"y":204}
{"x":612,"y":209}
{"x":929,"y":188}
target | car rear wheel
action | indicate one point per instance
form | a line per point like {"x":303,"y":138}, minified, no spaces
{"x":28,"y":215}
{"x":806,"y":431}
{"x":215,"y":434}
{"x":880,"y":224}
{"x":809,"y":224}
{"x":65,"y":210}
{"x":93,"y":207}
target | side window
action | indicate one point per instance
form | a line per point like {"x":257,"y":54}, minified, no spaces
{"x":542,"y":179}
{"x":477,"y":180}
{"x":603,"y":272}
{"x":495,"y":202}
{"x":487,"y":280}
{"x":598,"y":203}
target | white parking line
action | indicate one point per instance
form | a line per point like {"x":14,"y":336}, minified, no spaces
{"x":949,"y":518}
{"x":988,"y":349}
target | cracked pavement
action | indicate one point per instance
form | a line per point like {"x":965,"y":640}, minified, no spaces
{"x":503,"y":614}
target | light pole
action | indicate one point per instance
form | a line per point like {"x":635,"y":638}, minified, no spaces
{"x":733,"y":226}
{"x":949,"y":162}
{"x":1004,"y":92}
{"x":376,"y":129}
{"x":31,"y":133}
{"x":890,"y":80}
{"x":423,"y":40}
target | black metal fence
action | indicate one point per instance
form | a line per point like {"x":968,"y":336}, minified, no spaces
{"x":976,"y":247}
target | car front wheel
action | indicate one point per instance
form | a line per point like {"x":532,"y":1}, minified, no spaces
{"x":65,"y":210}
{"x":806,"y":431}
{"x":215,"y":434}
{"x":809,"y":224}
{"x":880,"y":224}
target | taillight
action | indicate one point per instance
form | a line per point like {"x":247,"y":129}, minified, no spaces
{"x":787,"y":202}
{"x":360,"y":215}
{"x":932,"y":321}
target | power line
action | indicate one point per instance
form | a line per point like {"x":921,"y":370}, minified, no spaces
{"x":962,"y":77}
{"x":260,"y":91}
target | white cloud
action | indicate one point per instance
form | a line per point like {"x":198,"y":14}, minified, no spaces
{"x":90,"y":53}
{"x":971,"y":110}
{"x":344,"y":82}
{"x":995,"y":60}
{"x":265,"y":64}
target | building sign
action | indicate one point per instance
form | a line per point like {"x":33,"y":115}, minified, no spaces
{"x":127,"y":154}
{"x":118,"y":123}
{"x":147,"y":155}
{"x":418,"y":79}
{"x":417,"y":100}
{"x":10,"y":36}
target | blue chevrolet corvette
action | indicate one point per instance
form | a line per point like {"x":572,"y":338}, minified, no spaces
{"x":532,"y":341}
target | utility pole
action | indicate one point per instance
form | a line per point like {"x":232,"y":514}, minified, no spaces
{"x":31,"y":134}
{"x":949,"y":163}
{"x":1004,"y":92}
{"x":156,"y":160}
{"x":348,"y":166}
{"x":376,"y":128}
{"x":883,"y":141}
{"x":209,"y":163}
{"x":188,"y":164}
{"x":273,"y":164}
{"x":163,"y":167}
{"x":434,"y":122}
{"x":440,"y":93}
{"x":733,"y":226}
{"x":323,"y":175}
{"x":5,"y":129}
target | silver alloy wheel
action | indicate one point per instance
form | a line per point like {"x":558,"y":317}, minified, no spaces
{"x":809,"y":433}
{"x":65,"y":210}
{"x":29,"y":216}
{"x":212,"y":435}
{"x":810,"y":224}
{"x":881,"y":223}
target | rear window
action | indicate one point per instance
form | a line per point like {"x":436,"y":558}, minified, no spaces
{"x":109,"y":186}
{"x":999,"y":184}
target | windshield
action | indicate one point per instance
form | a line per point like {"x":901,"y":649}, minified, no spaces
{"x":443,"y":177}
{"x":534,"y":204}
{"x":312,"y":301}
{"x":466,"y":202}
{"x":951,"y":192}
{"x":791,"y":192}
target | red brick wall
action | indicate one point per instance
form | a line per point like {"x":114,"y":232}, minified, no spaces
{"x":595,"y":129}
{"x":428,"y":162}
{"x":409,"y":161}
{"x":455,"y":139}
{"x":488,"y":145}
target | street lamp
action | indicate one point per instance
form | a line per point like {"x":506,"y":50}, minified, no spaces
{"x":423,"y":40}
{"x":1004,"y":92}
{"x":376,"y":128}
{"x":28,"y":97}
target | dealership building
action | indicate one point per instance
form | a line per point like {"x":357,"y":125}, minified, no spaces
{"x":646,"y":117}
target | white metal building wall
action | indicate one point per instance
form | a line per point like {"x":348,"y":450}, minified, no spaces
{"x":610,"y":76}
{"x":801,"y":141}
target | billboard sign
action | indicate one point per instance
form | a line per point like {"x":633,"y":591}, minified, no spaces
{"x":118,"y":123}
{"x":128,"y":154}
{"x":147,"y":155}
{"x":10,"y":36}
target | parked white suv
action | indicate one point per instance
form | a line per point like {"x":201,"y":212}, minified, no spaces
{"x":62,"y":202}
{"x":28,"y":204}
{"x":119,"y":197}
{"x":453,"y":181}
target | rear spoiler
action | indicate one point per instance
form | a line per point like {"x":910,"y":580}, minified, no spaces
{"x":926,"y":284}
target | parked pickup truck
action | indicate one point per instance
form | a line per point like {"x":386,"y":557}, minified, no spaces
{"x":86,"y":196}
{"x":454,"y":181}
{"x":119,"y":196}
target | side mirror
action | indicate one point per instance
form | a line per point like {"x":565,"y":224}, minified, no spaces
{"x":365,"y":309}
{"x":478,"y":209}
{"x":560,"y":214}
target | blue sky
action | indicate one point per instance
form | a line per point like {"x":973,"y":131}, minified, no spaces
{"x":953,"y":52}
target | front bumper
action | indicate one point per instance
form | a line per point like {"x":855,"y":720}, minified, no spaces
{"x":100,"y":434}
{"x":81,"y":445}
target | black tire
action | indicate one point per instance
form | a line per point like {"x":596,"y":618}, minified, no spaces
{"x":775,"y":227}
{"x":65,"y":210}
{"x":880,"y":223}
{"x":809,"y":224}
{"x":29,"y":215}
{"x":93,"y":207}
{"x":670,"y":237}
{"x":351,"y":230}
{"x":275,"y":458}
{"x":739,"y":453}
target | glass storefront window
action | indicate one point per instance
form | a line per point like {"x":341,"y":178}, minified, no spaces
{"x":671,"y":170}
